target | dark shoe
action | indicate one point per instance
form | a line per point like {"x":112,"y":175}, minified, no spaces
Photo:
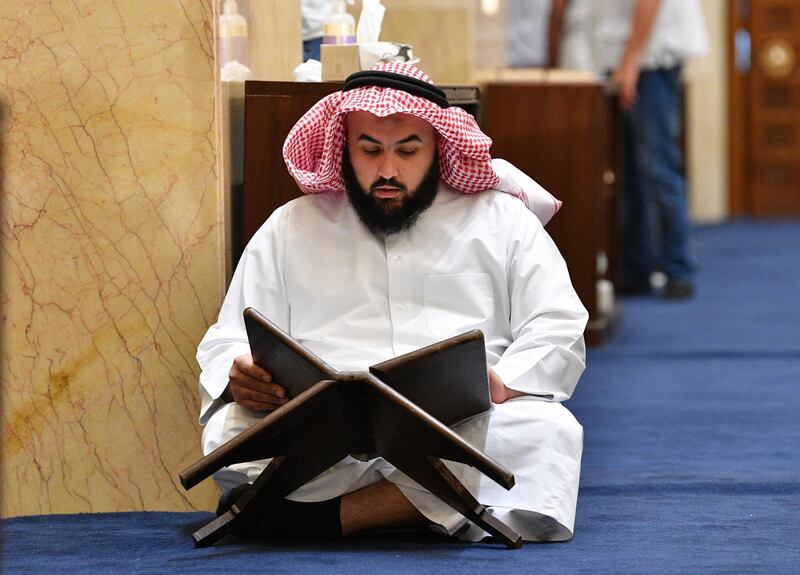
{"x":230,"y":497}
{"x":635,"y":289}
{"x":677,"y":289}
{"x":287,"y":519}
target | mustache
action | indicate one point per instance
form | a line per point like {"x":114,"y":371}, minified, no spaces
{"x":383,"y":182}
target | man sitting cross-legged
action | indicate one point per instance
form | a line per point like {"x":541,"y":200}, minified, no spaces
{"x":402,"y":240}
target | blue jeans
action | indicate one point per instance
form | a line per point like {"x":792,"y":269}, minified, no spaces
{"x":654,"y":212}
{"x":311,"y":49}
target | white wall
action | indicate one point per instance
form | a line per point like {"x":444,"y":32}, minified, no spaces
{"x":707,"y":122}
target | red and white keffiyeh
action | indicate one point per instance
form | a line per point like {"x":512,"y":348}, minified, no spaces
{"x":313,"y":149}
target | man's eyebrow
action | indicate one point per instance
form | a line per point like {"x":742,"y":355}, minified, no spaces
{"x":406,"y":140}
{"x":369,"y":139}
{"x":411,"y":138}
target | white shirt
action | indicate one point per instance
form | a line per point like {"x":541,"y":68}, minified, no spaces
{"x":480,"y":261}
{"x":526,"y":33}
{"x":313,"y":14}
{"x":596,"y":32}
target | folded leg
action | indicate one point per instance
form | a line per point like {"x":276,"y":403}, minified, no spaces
{"x":541,"y":442}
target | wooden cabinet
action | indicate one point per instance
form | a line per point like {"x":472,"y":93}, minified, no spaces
{"x":270,"y":111}
{"x":566,"y":137}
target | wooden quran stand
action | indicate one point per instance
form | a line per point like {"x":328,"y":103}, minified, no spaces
{"x":358,"y":413}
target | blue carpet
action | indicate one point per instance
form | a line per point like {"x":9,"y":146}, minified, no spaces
{"x":692,"y":419}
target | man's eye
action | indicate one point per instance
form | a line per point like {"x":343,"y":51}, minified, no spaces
{"x":409,"y":152}
{"x":371,"y":151}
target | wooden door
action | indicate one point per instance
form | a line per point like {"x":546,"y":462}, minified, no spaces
{"x":765,"y":108}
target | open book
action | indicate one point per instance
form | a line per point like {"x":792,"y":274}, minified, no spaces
{"x":447,"y":379}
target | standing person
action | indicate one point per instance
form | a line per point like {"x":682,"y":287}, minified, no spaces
{"x":399,"y":243}
{"x":313,"y":13}
{"x":643,"y":45}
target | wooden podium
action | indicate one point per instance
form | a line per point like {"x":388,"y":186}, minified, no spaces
{"x":333,"y":414}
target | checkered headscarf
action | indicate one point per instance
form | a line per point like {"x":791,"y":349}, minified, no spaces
{"x":313,"y":148}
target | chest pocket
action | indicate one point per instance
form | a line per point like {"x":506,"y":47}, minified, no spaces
{"x":455,"y":303}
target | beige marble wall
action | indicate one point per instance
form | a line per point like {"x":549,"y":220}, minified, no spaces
{"x":110,"y":250}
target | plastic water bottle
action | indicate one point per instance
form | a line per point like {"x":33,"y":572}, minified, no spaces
{"x":340,"y":26}
{"x":233,"y":43}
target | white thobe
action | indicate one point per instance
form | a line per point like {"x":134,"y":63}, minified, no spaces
{"x":480,"y":261}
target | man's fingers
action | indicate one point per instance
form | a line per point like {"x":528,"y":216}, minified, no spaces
{"x":256,"y":385}
{"x":251,"y":386}
{"x":628,"y":97}
{"x":258,"y":405}
{"x":245,"y":364}
{"x":258,"y":400}
{"x":259,"y":372}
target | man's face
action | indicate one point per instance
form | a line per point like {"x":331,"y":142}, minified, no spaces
{"x":390,"y":168}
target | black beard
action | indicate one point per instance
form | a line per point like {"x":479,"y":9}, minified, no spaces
{"x":372,"y":211}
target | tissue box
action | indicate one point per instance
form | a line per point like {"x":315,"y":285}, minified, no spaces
{"x":341,"y":60}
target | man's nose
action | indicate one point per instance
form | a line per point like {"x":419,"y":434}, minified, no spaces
{"x":387,"y":168}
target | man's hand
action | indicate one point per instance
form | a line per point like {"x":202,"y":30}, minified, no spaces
{"x":627,"y":77}
{"x":252,"y":387}
{"x":627,"y":74}
{"x":498,"y":391}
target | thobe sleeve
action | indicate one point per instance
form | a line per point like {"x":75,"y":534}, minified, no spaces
{"x":547,"y":354}
{"x":258,"y":283}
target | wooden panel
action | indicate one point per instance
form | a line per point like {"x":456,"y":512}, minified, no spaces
{"x":780,"y":97}
{"x":774,"y":111}
{"x":270,"y":111}
{"x":560,"y":135}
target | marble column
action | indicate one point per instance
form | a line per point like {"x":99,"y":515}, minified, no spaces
{"x":110,"y":254}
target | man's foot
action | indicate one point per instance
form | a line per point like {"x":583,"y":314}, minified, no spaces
{"x":231,"y":496}
{"x":287,"y":519}
{"x":677,"y":289}
{"x":376,"y":506}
